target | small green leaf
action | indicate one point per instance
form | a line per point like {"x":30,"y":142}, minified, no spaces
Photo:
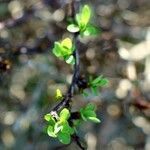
{"x":90,"y":106}
{"x":66,"y":52}
{"x":64,"y":114}
{"x":85,"y":15}
{"x":83,"y":117}
{"x":77,"y":18}
{"x":94,"y":90}
{"x":57,"y":49}
{"x":47,"y":117}
{"x":66,"y":43}
{"x":70,"y":60}
{"x":99,"y":81}
{"x":58,"y":94}
{"x":103,"y":82}
{"x":96,"y":80}
{"x":90,"y":30}
{"x":66,"y":128}
{"x":89,"y":113}
{"x":94,"y":119}
{"x":50,"y":119}
{"x":58,"y":126}
{"x":64,"y":138}
{"x":50,"y":131}
{"x":65,"y":48}
{"x":73,"y":28}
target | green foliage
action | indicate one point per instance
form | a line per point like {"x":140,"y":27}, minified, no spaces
{"x":70,"y":59}
{"x":94,"y":84}
{"x":60,"y":128}
{"x":58,"y":94}
{"x":88,"y":113}
{"x":64,"y":50}
{"x":58,"y":124}
{"x":64,"y":138}
{"x":98,"y":82}
{"x":82,"y":23}
{"x":73,"y":28}
{"x":64,"y":114}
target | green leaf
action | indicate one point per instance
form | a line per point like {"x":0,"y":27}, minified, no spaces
{"x":99,"y":81}
{"x":103,"y":82}
{"x":89,"y":113}
{"x":64,"y":138}
{"x":73,"y":28}
{"x":83,"y":117}
{"x":50,"y":119}
{"x":64,"y":114}
{"x":77,"y":18}
{"x":57,"y":49}
{"x":94,"y":119}
{"x":70,"y":60}
{"x":50,"y":131}
{"x":63,"y":49}
{"x":67,"y":43}
{"x":58,"y":126}
{"x":66,"y":52}
{"x":96,"y":80}
{"x":47,"y":117}
{"x":85,"y":15}
{"x":90,"y":106}
{"x":90,"y":30}
{"x":94,"y":90}
{"x":58,"y":94}
{"x":66,"y":128}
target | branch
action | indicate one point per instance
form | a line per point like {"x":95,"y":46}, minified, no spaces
{"x":78,"y":141}
{"x":68,"y":97}
{"x":66,"y":102}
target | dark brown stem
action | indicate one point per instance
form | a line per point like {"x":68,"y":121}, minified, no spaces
{"x":68,"y":97}
{"x":79,"y":142}
{"x":66,"y":102}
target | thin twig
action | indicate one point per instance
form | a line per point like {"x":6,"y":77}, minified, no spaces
{"x":78,"y":141}
{"x":66,"y":102}
{"x":67,"y":99}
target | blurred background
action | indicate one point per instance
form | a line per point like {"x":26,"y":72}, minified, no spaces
{"x":30,"y":73}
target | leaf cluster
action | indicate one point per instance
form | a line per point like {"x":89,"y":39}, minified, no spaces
{"x":64,"y":49}
{"x":60,"y":128}
{"x":62,"y":125}
{"x":81,"y":23}
{"x":95,"y":84}
{"x":88,"y":113}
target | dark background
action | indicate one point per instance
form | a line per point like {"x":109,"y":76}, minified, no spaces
{"x":30,"y":73}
